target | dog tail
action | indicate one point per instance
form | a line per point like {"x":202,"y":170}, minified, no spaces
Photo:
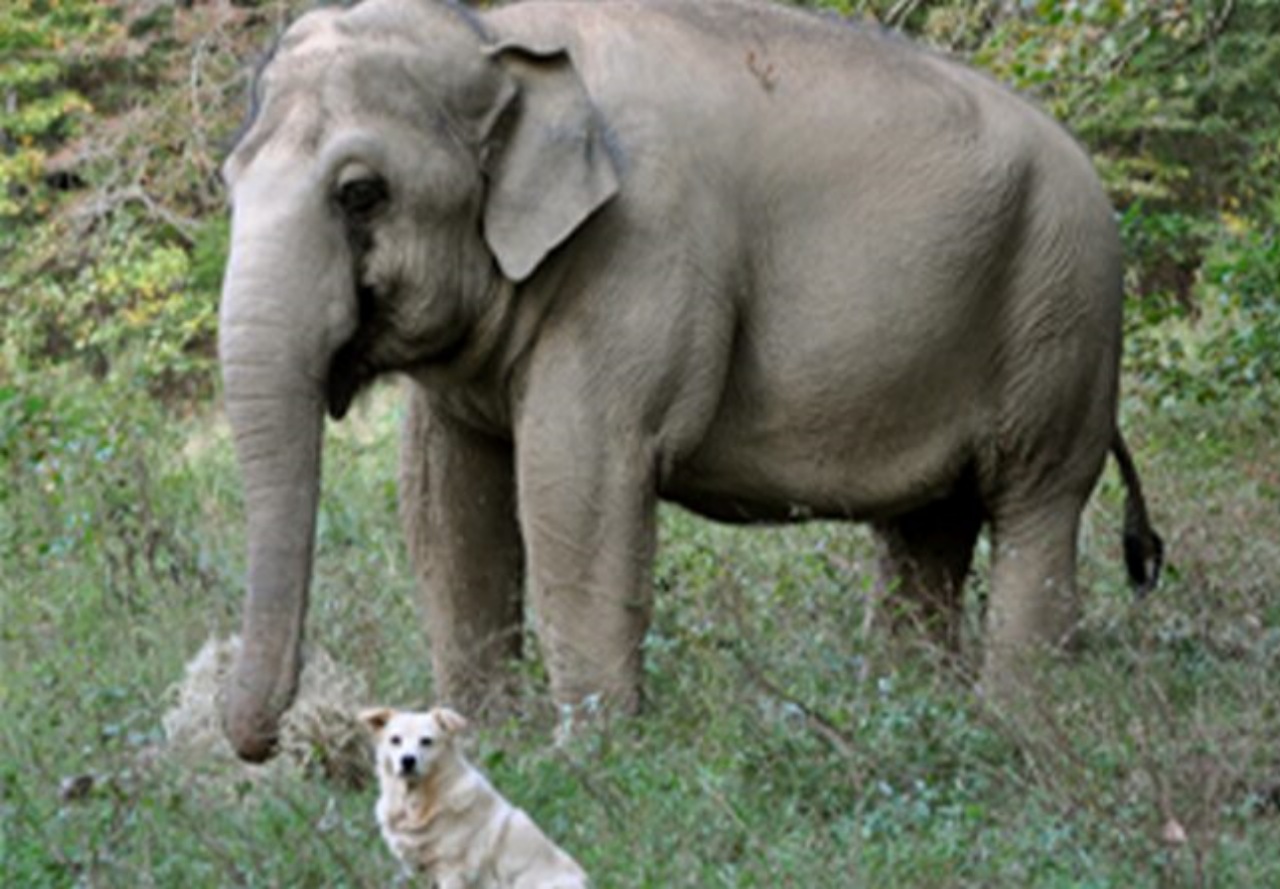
{"x":1143,"y":547}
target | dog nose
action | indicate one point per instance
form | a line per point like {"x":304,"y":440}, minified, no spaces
{"x":408,"y":762}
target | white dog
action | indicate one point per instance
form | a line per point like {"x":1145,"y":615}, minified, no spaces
{"x":443,"y":819}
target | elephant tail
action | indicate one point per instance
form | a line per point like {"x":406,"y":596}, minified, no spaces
{"x":1143,"y":547}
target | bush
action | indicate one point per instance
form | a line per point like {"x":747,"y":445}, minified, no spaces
{"x":1223,"y":345}
{"x":89,"y":482}
{"x":113,"y":235}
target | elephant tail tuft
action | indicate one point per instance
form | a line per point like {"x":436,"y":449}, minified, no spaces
{"x":1143,"y":547}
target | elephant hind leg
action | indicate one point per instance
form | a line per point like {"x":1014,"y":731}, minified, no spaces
{"x":924,"y":559}
{"x":458,"y":510}
{"x":1034,"y":602}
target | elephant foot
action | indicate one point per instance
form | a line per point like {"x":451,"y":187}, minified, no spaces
{"x":589,"y":694}
{"x":481,"y":679}
{"x":1014,"y":679}
{"x":588,"y":714}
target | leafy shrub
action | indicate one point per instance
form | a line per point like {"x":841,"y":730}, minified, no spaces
{"x":1224,"y":345}
{"x":41,"y":110}
{"x":113,"y":237}
{"x":88,"y":483}
{"x":1242,"y":283}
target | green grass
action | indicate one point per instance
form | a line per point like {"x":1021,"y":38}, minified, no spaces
{"x":786,"y":743}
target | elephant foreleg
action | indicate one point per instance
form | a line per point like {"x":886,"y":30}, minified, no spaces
{"x":588,"y":515}
{"x":457,"y":505}
{"x":924,"y":559}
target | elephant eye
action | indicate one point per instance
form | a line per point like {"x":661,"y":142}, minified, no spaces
{"x":361,"y":198}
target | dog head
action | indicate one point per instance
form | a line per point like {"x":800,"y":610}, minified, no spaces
{"x":408,"y":744}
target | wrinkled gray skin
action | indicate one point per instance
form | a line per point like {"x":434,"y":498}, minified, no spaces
{"x":761,"y":264}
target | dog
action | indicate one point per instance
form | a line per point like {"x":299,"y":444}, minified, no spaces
{"x":443,"y":819}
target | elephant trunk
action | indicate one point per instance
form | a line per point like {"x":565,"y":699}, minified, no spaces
{"x":287,"y":305}
{"x":278,"y":441}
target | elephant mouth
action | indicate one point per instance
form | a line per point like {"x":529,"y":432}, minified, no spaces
{"x":358,"y":363}
{"x":349,"y":370}
{"x":348,"y":374}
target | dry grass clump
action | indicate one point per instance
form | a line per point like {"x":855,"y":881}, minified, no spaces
{"x":319,"y":735}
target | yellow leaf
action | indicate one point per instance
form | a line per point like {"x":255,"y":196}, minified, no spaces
{"x":1236,"y":225}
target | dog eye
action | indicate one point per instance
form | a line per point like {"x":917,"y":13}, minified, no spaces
{"x":427,"y":742}
{"x":395,"y":740}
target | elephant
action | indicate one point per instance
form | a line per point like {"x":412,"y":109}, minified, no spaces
{"x":767,"y":265}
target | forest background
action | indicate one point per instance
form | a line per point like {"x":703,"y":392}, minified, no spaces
{"x":787,"y":745}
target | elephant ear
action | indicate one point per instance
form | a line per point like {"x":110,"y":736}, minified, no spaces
{"x":546,"y":158}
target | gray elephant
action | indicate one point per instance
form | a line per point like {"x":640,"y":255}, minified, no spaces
{"x":760,"y":263}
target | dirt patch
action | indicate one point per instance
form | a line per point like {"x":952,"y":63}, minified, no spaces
{"x":319,"y":736}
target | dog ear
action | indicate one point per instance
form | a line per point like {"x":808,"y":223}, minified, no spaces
{"x":375,"y":719}
{"x":451,"y":722}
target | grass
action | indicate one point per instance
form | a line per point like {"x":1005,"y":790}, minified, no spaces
{"x":786,"y":742}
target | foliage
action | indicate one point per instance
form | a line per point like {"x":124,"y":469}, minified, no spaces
{"x":41,"y":109}
{"x":113,"y":236}
{"x":86,"y":483}
{"x":113,"y":232}
{"x":1225,"y":347}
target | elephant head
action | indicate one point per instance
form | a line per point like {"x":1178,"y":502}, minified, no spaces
{"x":402,"y":169}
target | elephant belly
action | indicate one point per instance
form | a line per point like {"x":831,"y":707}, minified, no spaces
{"x":767,"y":466}
{"x":860,"y":405}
